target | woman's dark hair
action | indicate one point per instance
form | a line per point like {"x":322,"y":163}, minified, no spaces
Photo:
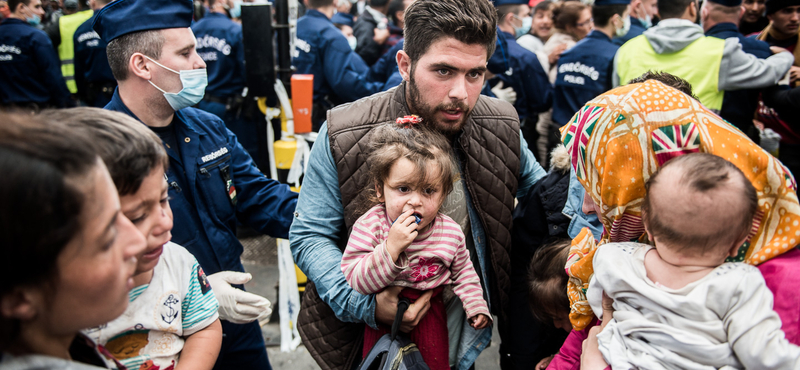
{"x":468,"y":21}
{"x":547,"y":294}
{"x":420,"y":145}
{"x":567,"y":13}
{"x":394,"y":7}
{"x":44,"y":167}
{"x":130,"y":150}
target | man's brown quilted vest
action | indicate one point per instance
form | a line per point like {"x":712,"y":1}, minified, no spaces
{"x":489,"y":150}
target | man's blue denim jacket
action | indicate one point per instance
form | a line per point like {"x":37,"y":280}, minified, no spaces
{"x":314,"y":235}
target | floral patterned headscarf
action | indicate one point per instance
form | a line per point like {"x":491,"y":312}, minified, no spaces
{"x":619,"y":139}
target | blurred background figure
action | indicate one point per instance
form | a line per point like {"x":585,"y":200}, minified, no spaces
{"x":754,"y":18}
{"x":344,"y":22}
{"x":541,"y":30}
{"x":642,"y":14}
{"x":30,"y":74}
{"x":93,"y":77}
{"x":372,"y":30}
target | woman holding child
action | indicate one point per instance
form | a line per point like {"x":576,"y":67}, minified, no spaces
{"x":619,"y":140}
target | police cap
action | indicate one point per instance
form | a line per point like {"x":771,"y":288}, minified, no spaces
{"x":343,"y":18}
{"x":122,"y":17}
{"x":510,"y":2}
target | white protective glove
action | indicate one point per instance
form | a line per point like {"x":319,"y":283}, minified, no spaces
{"x":235,"y":305}
{"x":508,"y":94}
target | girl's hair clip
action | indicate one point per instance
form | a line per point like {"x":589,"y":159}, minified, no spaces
{"x":409,"y":121}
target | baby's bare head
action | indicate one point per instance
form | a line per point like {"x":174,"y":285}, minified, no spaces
{"x":699,"y":203}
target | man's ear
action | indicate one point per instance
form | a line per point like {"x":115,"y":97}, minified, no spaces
{"x":138,"y":66}
{"x":404,"y":65}
{"x":20,"y":304}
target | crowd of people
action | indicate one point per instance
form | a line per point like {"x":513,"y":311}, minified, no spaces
{"x":597,"y":180}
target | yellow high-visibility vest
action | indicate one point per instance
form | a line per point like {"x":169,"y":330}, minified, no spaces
{"x":67,"y":25}
{"x":697,"y":63}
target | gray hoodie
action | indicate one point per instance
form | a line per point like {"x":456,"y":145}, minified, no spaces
{"x":737,"y":70}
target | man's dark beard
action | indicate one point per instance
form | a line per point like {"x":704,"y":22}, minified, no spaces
{"x":427,"y":113}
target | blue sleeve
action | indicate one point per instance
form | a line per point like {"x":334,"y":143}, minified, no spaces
{"x":239,"y":47}
{"x":80,"y":58}
{"x":315,"y":232}
{"x":346,"y":72}
{"x":394,"y":80}
{"x":47,"y":61}
{"x":530,"y":171}
{"x":263,"y":203}
{"x":574,"y":210}
{"x":537,"y":86}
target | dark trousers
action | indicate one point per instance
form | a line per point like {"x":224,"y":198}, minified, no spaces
{"x":242,"y":348}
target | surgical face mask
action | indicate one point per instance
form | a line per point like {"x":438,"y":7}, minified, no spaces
{"x":236,"y":11}
{"x":626,"y":26}
{"x":525,"y":28}
{"x":34,"y":19}
{"x":647,"y":21}
{"x":353,"y":41}
{"x":194,"y":83}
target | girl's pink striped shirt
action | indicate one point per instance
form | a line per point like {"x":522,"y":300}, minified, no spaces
{"x":436,"y":257}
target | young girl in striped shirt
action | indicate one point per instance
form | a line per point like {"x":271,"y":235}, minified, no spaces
{"x":403,"y":240}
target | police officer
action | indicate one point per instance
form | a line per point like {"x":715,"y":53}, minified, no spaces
{"x":213,"y":183}
{"x":519,"y":68}
{"x":585,"y":70}
{"x":30,"y":73}
{"x":720,"y":19}
{"x":219,"y":43}
{"x":93,"y":77}
{"x":641,"y":18}
{"x":322,"y":50}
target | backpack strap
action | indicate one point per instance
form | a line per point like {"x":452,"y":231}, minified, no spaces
{"x":402,"y":306}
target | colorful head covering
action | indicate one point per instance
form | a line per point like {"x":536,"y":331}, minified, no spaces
{"x":617,"y":140}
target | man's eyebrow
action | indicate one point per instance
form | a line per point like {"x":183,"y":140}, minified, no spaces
{"x":186,"y":48}
{"x":444,"y":65}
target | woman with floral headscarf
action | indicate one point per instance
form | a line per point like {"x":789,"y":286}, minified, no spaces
{"x":619,"y":139}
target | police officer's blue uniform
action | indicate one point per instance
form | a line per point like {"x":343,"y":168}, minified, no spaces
{"x":213,"y":183}
{"x":637,"y":28}
{"x":30,"y":71}
{"x":739,"y":106}
{"x":584,"y":71}
{"x":220,"y":44}
{"x":93,"y":75}
{"x":520,"y":68}
{"x":340,"y":75}
{"x":385,"y":69}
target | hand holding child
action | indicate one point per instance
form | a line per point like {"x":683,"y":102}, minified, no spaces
{"x":402,"y":233}
{"x":479,"y":321}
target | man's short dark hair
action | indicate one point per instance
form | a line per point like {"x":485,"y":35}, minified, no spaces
{"x":316,"y":4}
{"x":468,"y":21}
{"x":667,"y":79}
{"x":601,"y":14}
{"x":673,"y":8}
{"x":12,"y":4}
{"x":378,"y":3}
{"x":504,"y":10}
{"x":120,"y":50}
